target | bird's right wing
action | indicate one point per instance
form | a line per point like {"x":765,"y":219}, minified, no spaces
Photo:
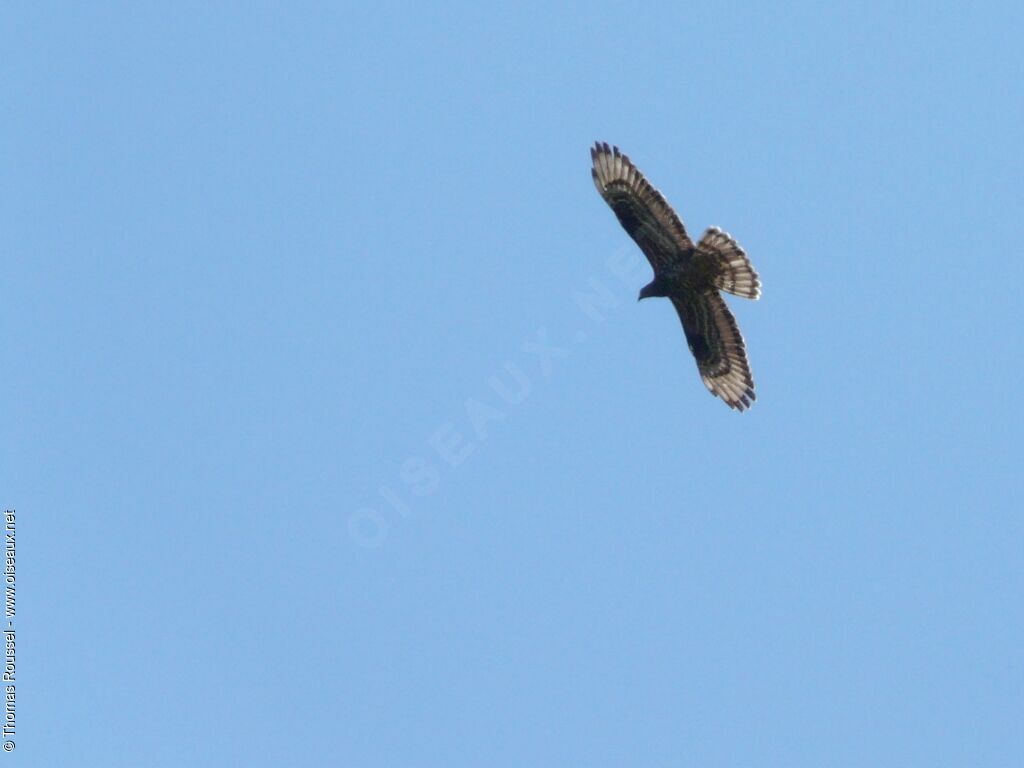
{"x":716,"y":344}
{"x":640,"y":208}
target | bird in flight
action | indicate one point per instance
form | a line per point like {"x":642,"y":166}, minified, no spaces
{"x":690,"y":275}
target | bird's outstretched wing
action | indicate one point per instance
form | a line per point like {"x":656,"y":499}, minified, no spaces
{"x":716,"y":343}
{"x":641,"y":209}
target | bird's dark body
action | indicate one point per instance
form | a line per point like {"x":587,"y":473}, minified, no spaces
{"x":690,"y":275}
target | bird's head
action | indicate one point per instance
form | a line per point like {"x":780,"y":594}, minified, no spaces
{"x":657,"y":287}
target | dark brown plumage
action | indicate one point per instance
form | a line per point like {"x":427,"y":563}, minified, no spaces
{"x":690,"y":275}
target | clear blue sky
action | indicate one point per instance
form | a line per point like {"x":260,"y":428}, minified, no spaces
{"x":262,"y":263}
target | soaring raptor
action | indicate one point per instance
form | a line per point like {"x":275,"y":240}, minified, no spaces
{"x":690,"y":275}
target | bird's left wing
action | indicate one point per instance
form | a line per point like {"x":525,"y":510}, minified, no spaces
{"x":640,"y":208}
{"x":716,"y":343}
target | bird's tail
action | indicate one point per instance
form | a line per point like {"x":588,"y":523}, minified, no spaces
{"x":735,"y":273}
